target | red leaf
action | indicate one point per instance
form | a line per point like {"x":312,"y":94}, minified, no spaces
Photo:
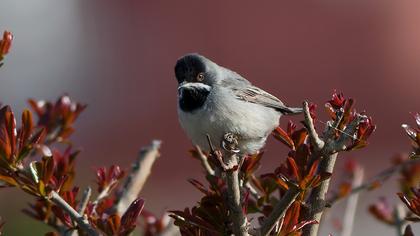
{"x":290,"y":219}
{"x":5,"y":43}
{"x":314,"y":168}
{"x":408,"y":231}
{"x":347,"y":114}
{"x":337,"y":100}
{"x":26,"y":129}
{"x":251,"y":163}
{"x":7,"y":132}
{"x":199,"y":186}
{"x":282,"y":136}
{"x":129,"y":219}
{"x":299,"y":137}
{"x":294,"y":168}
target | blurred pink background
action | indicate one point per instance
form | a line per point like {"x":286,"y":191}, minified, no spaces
{"x":118,"y":57}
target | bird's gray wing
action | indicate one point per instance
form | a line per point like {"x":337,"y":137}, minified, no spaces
{"x":259,"y":96}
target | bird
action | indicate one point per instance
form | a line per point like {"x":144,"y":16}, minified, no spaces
{"x":214,"y":101}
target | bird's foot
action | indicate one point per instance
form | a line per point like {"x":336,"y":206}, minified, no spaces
{"x":230,"y":143}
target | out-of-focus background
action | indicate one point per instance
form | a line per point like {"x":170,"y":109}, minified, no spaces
{"x":118,"y":57}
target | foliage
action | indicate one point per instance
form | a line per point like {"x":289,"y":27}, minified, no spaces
{"x":37,"y":156}
{"x":409,"y":185}
{"x":27,"y":162}
{"x":261,"y":192}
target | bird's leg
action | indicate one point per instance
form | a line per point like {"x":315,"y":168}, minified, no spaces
{"x":230,"y":143}
{"x":230,"y":146}
{"x":216,"y":153}
{"x":212,"y":151}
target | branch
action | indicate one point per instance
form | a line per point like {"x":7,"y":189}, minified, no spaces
{"x":140,"y":171}
{"x":280,"y":209}
{"x":240,"y":222}
{"x":317,"y":200}
{"x":313,"y":135}
{"x":399,"y":213}
{"x":204,"y":161}
{"x":103,"y":194}
{"x":350,"y":211}
{"x":82,"y":222}
{"x":85,"y":199}
{"x":252,"y":190}
{"x":346,"y":135}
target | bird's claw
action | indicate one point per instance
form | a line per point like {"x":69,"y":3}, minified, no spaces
{"x":230,"y":143}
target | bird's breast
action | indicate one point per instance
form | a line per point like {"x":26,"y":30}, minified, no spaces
{"x":224,"y":113}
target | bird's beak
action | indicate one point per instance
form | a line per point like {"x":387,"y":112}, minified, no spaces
{"x":189,"y":85}
{"x":181,"y":85}
{"x":180,"y":88}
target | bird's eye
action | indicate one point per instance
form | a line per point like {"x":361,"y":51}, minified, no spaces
{"x":200,"y":77}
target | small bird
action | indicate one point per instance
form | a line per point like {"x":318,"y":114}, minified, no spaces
{"x":214,"y":101}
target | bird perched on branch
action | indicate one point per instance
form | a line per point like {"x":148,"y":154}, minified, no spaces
{"x":213,"y":100}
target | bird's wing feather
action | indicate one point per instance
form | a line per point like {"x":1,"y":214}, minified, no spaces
{"x":259,"y":96}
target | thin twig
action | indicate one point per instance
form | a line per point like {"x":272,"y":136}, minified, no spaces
{"x":252,"y":190}
{"x":380,"y":178}
{"x":84,"y":201}
{"x":346,"y":135}
{"x":204,"y":161}
{"x":103,"y":194}
{"x":350,"y":211}
{"x":140,"y":171}
{"x":313,"y":135}
{"x":280,"y":209}
{"x":81,"y":221}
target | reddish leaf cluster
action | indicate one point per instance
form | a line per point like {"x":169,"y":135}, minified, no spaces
{"x":27,"y":162}
{"x":211,"y":216}
{"x":114,"y":224}
{"x":409,"y":180}
{"x":342,"y":113}
{"x":100,"y":213}
{"x":16,"y":145}
{"x":414,"y":134}
{"x":5,"y":44}
{"x":292,"y":225}
{"x":413,"y":203}
{"x":57,"y":118}
{"x":298,"y":166}
{"x":70,"y":198}
{"x":108,"y":180}
{"x":409,"y":174}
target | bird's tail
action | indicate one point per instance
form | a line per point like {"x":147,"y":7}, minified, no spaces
{"x":291,"y":110}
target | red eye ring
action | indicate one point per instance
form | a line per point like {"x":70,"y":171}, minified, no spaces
{"x":200,"y":76}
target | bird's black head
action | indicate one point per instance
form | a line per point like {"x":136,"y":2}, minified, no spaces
{"x":192,"y":68}
{"x":195,"y":77}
